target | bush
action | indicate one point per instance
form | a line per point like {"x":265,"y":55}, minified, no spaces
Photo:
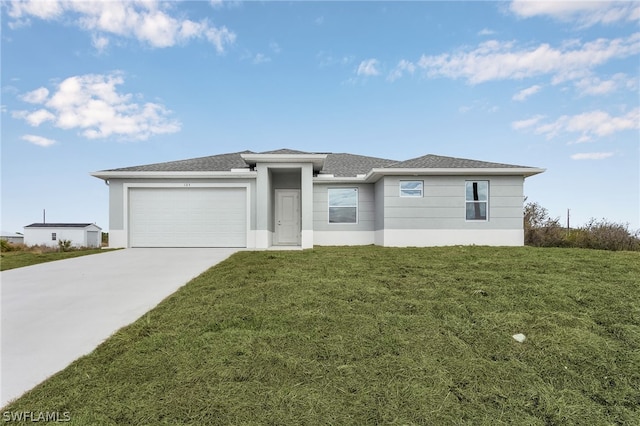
{"x":605,"y":235}
{"x":540,"y":230}
{"x":6,"y":246}
{"x":64,"y":245}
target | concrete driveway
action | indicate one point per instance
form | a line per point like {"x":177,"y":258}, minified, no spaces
{"x":53,"y":313}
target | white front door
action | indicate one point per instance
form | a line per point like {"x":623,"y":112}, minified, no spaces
{"x":287,"y":217}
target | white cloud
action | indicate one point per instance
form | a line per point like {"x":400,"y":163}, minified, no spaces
{"x":595,"y":86}
{"x":368,"y":68}
{"x":275,"y":47}
{"x":591,"y":155}
{"x":586,"y":126}
{"x":529,"y":122}
{"x":584,"y":13}
{"x":92,"y":104}
{"x":486,"y":32}
{"x":147,"y":21}
{"x":260,"y":58}
{"x":496,"y":60}
{"x":38,"y":140}
{"x":36,"y":96}
{"x":525,"y":93}
{"x":38,"y":117}
{"x":39,"y":9}
{"x":403,"y":67}
{"x":100,"y":43}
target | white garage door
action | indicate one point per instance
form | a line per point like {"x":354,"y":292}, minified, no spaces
{"x":187,"y":217}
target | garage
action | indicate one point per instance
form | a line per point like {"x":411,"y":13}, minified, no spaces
{"x":187,"y":217}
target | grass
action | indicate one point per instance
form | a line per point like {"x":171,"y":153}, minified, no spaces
{"x":19,"y":259}
{"x":370,"y":335}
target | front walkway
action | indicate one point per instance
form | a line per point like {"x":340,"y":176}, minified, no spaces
{"x":53,"y":313}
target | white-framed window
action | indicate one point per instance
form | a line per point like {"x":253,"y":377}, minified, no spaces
{"x":477,"y":199}
{"x":54,"y":236}
{"x":343,"y":205}
{"x":411,"y":188}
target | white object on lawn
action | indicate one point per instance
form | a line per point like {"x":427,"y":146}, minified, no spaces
{"x":519,"y":337}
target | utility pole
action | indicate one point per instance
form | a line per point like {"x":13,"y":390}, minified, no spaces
{"x":44,"y":216}
{"x":568,"y":227}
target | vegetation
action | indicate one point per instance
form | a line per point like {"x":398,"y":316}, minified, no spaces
{"x":19,"y":255}
{"x":540,"y":230}
{"x":372,"y":335}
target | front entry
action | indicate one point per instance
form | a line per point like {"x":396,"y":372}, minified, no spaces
{"x":287,"y":217}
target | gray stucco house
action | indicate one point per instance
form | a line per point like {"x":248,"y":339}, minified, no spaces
{"x":294,"y":198}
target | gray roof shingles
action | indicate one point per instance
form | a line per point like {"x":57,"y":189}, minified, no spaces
{"x":339,"y":164}
{"x":439,"y":162}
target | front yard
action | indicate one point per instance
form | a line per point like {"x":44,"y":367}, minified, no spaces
{"x":370,"y":335}
{"x":19,"y":259}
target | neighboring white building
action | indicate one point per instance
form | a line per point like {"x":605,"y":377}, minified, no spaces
{"x":48,"y":234}
{"x":294,"y":198}
{"x":12,"y":237}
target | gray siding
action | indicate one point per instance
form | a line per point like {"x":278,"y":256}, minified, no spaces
{"x":443,"y":203}
{"x":366,"y":208}
{"x":379,"y":204}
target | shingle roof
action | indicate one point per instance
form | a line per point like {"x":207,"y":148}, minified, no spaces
{"x":338,"y":164}
{"x":285,"y":151}
{"x":439,"y":162}
{"x":213,"y":163}
{"x":352,"y":165}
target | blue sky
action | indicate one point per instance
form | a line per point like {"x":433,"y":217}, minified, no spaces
{"x":92,"y":85}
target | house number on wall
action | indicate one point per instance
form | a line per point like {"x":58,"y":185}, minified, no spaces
{"x":187,"y":184}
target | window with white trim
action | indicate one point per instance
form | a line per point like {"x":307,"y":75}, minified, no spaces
{"x":411,"y":188}
{"x":343,"y":205}
{"x":477,"y":199}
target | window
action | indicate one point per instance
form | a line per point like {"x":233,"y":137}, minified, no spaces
{"x":343,"y":205}
{"x":477,"y":199}
{"x":411,"y":188}
{"x":53,"y":236}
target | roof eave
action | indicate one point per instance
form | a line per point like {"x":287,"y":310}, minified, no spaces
{"x":316,"y":159}
{"x":106,"y":175}
{"x":377,"y":173}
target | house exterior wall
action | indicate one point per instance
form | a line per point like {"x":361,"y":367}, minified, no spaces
{"x":13,"y":239}
{"x":273,"y":176}
{"x":438,"y":218}
{"x":42,"y":236}
{"x":384,"y":218}
{"x":360,"y":233}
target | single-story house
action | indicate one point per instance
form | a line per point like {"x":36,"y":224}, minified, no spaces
{"x":48,"y":234}
{"x":294,"y":198}
{"x":12,"y":237}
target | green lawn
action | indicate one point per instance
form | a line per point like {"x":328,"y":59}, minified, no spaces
{"x":370,"y":335}
{"x":19,"y":259}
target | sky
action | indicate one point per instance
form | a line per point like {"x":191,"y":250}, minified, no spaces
{"x":96,"y":85}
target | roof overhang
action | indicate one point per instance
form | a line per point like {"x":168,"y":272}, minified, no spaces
{"x":316,"y":159}
{"x":240,"y":173}
{"x":376,"y":174}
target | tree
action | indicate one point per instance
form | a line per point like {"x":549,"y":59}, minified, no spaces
{"x":540,"y":229}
